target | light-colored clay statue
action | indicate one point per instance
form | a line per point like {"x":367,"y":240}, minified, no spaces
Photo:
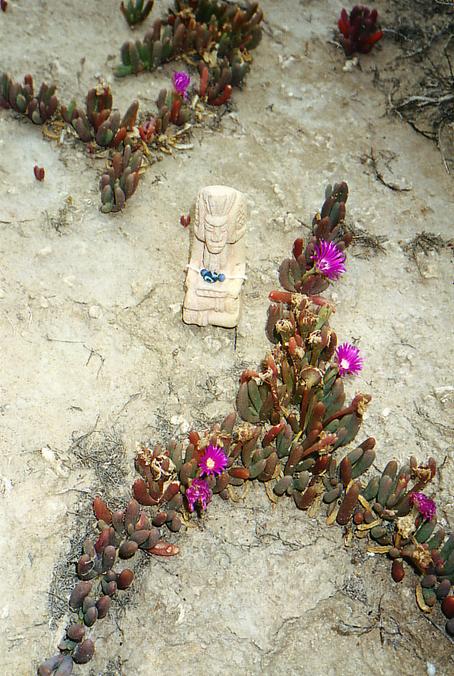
{"x":217,"y":266}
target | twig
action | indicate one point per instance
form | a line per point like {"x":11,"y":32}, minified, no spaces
{"x":61,"y":340}
{"x":379,"y":176}
{"x":96,"y":354}
{"x":425,"y":101}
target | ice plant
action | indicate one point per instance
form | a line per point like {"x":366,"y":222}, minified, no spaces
{"x":359,"y":30}
{"x":181,"y":82}
{"x":135,"y":12}
{"x":329,"y":260}
{"x":425,"y":506}
{"x":198,"y":492}
{"x":348,"y":359}
{"x":213,"y":461}
{"x":294,"y":420}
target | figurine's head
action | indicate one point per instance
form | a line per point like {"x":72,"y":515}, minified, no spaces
{"x":220,"y":217}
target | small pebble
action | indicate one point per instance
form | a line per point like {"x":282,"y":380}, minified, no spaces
{"x":48,"y":454}
{"x":350,"y":64}
{"x":180,"y":422}
{"x":94,"y":312}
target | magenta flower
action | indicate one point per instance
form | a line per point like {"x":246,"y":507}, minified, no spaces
{"x":213,"y":461}
{"x":425,"y":506}
{"x":328,"y":259}
{"x":181,"y":82}
{"x":348,"y":359}
{"x":198,"y":492}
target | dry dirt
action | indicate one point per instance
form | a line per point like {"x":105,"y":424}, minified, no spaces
{"x":95,"y":357}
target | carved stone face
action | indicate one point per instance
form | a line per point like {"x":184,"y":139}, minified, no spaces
{"x":220,"y":217}
{"x":216,"y":231}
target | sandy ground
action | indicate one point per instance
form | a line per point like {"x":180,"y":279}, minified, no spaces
{"x":95,"y":357}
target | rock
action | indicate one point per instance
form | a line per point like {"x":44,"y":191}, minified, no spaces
{"x":180,"y":422}
{"x":94,"y":312}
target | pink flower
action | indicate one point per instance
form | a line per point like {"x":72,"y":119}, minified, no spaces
{"x":213,"y":461}
{"x":348,"y":359}
{"x":425,"y":506}
{"x":198,"y":492}
{"x":328,"y":259}
{"x":181,"y":82}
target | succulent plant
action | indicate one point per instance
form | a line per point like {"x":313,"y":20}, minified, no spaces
{"x":99,"y":123}
{"x":297,"y":274}
{"x":120,"y":180}
{"x":172,"y":109}
{"x":224,"y":30}
{"x":359,"y":30}
{"x":136,"y":11}
{"x":101,"y":576}
{"x":22,"y":98}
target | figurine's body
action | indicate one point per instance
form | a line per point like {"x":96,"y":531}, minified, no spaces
{"x":217,"y":267}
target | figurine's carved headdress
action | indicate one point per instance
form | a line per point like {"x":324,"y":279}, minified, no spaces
{"x":221,"y":207}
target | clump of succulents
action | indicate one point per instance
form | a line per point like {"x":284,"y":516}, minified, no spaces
{"x":215,"y":35}
{"x":102,"y":575}
{"x":172,"y":105}
{"x":198,"y":28}
{"x":293,"y":419}
{"x":99,"y":123}
{"x":136,"y":11}
{"x":312,"y":268}
{"x":359,"y":29}
{"x":38,"y":107}
{"x":120,"y":179}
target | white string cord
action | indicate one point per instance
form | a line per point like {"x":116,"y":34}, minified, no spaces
{"x":196,"y":269}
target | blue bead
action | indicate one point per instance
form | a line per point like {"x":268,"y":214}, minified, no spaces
{"x":207,"y":276}
{"x":221,"y":277}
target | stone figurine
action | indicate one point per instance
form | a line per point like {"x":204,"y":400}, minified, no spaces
{"x":217,"y":266}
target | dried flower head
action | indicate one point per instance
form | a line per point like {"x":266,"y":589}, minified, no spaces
{"x":213,"y":461}
{"x":421,"y":557}
{"x":406,"y":525}
{"x":147,"y":130}
{"x":348,"y":359}
{"x":198,"y":493}
{"x":329,"y":260}
{"x":157,"y":461}
{"x":181,"y":82}
{"x":425,"y":506}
